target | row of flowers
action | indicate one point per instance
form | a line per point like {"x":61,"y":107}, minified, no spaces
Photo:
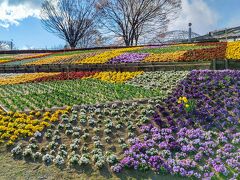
{"x":178,"y":52}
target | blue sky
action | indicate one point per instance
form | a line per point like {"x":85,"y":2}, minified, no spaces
{"x":19,"y":20}
{"x":30,"y":34}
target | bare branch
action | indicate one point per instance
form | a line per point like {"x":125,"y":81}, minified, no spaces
{"x":70,"y":20}
{"x":132,"y":19}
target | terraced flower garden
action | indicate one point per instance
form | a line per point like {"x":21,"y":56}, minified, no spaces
{"x":109,"y":124}
{"x":183,"y":123}
{"x":166,"y":53}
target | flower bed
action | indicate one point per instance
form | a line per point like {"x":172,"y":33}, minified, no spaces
{"x":21,"y":57}
{"x":128,"y":58}
{"x":165,"y":57}
{"x":171,"y":48}
{"x":169,"y":53}
{"x":104,"y":87}
{"x":187,"y":152}
{"x":115,"y":77}
{"x":65,"y":76}
{"x":14,"y":126}
{"x":195,"y":135}
{"x":23,"y":78}
{"x":92,"y":136}
{"x":233,"y":50}
{"x":162,"y":80}
{"x":79,"y":58}
{"x":106,"y":56}
{"x":52,"y":59}
{"x":191,"y":131}
{"x":206,"y":54}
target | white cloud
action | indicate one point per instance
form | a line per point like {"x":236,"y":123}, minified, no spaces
{"x":13,"y":11}
{"x":203,"y":18}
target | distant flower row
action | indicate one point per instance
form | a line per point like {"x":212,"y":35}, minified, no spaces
{"x":171,"y":53}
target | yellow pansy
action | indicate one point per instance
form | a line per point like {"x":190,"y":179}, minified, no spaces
{"x":106,"y":56}
{"x":165,"y":57}
{"x":20,"y":125}
{"x":23,"y":78}
{"x":115,"y":77}
{"x":233,"y":50}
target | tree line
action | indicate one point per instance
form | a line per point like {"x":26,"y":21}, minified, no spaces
{"x":85,"y":23}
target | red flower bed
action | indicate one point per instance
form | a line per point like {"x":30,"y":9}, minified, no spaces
{"x":66,"y":76}
{"x":217,"y":52}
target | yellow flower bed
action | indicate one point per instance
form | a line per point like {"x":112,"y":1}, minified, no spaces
{"x":17,"y":125}
{"x":106,"y":56}
{"x":4,"y":61}
{"x":51,"y":60}
{"x":165,"y":57}
{"x":23,"y":78}
{"x":233,"y":50}
{"x":115,"y":77}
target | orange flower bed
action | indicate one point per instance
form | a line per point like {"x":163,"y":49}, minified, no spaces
{"x":217,"y":52}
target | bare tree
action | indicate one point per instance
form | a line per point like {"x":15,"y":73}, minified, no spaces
{"x":70,"y":20}
{"x":92,"y":39}
{"x":131,"y":19}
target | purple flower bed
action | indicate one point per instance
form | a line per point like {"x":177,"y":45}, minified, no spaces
{"x":129,"y":58}
{"x":217,"y":96}
{"x":187,"y":152}
{"x":202,"y":143}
